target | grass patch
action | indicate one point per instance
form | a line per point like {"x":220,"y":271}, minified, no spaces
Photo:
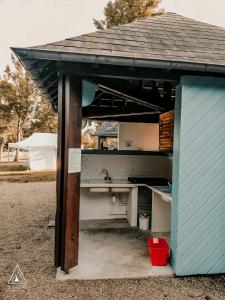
{"x":29,"y":176}
{"x":12,"y":167}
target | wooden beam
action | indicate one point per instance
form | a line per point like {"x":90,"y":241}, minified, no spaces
{"x":52,"y":90}
{"x":71,"y":184}
{"x":68,"y":183}
{"x":44,"y":73}
{"x":121,"y":72}
{"x":135,"y":119}
{"x":91,"y":111}
{"x":130,"y":98}
{"x":60,"y":172}
{"x":125,"y":114}
{"x":32,"y":64}
{"x":167,"y":93}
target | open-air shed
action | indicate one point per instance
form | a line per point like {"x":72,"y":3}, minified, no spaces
{"x":101,"y":76}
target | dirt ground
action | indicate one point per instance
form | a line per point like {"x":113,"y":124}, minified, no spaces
{"x":25,"y":209}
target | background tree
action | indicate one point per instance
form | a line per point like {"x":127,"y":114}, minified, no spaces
{"x":21,"y":99}
{"x":45,"y":119}
{"x":88,"y":141}
{"x":23,"y":110}
{"x":5,"y":113}
{"x":122,"y":12}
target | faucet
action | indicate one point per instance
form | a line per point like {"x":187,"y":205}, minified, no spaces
{"x":107,"y":177}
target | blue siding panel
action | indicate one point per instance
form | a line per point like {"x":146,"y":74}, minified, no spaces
{"x":198,"y":208}
{"x":176,"y":147}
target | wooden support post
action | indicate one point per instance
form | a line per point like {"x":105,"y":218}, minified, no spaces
{"x":68,"y":179}
{"x":60,"y":168}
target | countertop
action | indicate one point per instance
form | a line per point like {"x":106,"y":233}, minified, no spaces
{"x":163,"y":192}
{"x":127,"y":152}
{"x":86,"y":183}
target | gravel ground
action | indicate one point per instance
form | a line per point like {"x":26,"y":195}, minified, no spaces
{"x":25,"y":239}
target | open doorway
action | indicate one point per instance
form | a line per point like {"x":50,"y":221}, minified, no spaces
{"x":120,"y":187}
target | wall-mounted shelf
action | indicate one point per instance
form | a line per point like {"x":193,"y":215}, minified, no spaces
{"x":127,"y":152}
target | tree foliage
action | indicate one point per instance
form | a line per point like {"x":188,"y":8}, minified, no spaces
{"x":22,"y":106}
{"x":22,"y":96}
{"x":122,"y":12}
{"x":45,"y":119}
{"x":5,"y":113}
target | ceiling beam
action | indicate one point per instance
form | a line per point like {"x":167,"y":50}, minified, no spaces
{"x":38,"y":65}
{"x":130,"y":98}
{"x":46,"y":73}
{"x":122,"y":72}
{"x":90,"y":111}
{"x":123,"y":115}
{"x":135,"y":119}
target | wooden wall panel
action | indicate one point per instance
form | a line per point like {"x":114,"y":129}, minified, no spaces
{"x":166,"y":127}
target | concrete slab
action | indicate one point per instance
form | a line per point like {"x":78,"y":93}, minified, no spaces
{"x":110,"y":249}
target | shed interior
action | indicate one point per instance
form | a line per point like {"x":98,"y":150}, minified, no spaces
{"x":119,"y":247}
{"x":125,"y":95}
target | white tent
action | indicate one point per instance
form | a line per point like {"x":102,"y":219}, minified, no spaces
{"x":41,"y":149}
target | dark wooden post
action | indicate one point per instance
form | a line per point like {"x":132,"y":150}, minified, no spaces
{"x":68,"y":175}
{"x":60,"y":168}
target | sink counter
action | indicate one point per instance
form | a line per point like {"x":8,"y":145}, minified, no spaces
{"x":161,"y":209}
{"x":101,"y":200}
{"x":163,"y":192}
{"x":101,"y":183}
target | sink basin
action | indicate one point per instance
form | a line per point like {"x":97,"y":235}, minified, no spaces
{"x":99,"y":189}
{"x":120,"y":190}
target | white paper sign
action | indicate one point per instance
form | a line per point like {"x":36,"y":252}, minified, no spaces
{"x":74,"y":160}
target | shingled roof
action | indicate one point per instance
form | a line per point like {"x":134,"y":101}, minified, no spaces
{"x":168,"y":37}
{"x":169,"y":42}
{"x":107,"y":129}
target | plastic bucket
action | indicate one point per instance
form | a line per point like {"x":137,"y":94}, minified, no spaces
{"x":158,"y":251}
{"x":144,"y":223}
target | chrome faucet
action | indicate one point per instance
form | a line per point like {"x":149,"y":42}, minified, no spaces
{"x":107,"y":177}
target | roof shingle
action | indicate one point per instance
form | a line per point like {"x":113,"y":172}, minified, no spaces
{"x":168,"y":37}
{"x":168,"y":42}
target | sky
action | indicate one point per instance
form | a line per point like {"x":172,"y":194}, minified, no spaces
{"x":35,"y":22}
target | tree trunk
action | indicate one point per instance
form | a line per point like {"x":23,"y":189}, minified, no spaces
{"x":1,"y":150}
{"x":17,"y":150}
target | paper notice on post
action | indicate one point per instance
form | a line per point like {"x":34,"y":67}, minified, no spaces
{"x":74,"y":160}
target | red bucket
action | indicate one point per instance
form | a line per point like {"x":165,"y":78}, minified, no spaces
{"x":158,"y":251}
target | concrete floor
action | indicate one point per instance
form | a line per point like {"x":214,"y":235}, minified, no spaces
{"x":111,"y":249}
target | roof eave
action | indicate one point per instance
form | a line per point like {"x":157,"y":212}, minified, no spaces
{"x":29,"y":53}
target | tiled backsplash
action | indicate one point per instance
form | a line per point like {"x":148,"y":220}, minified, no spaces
{"x":124,"y":166}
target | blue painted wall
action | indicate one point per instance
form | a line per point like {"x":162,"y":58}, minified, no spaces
{"x":198,"y":208}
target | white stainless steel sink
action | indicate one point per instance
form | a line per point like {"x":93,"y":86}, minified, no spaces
{"x":105,"y":186}
{"x":114,"y":186}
